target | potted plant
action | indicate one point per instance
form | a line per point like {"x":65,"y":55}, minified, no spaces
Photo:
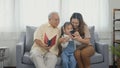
{"x":116,"y":52}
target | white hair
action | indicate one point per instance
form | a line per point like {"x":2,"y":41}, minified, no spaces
{"x":49,"y":16}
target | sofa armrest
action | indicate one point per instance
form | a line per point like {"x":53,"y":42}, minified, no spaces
{"x":102,"y":48}
{"x":20,"y":48}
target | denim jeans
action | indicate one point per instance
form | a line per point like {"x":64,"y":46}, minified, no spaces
{"x":68,"y":59}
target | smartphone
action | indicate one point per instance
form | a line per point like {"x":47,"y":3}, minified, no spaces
{"x":72,"y":32}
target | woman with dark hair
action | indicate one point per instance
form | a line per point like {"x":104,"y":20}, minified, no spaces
{"x":84,"y":50}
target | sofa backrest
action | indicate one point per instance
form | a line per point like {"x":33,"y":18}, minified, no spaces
{"x":92,"y":33}
{"x":29,"y":37}
{"x":30,"y":33}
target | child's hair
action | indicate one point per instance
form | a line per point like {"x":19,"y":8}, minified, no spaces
{"x":64,"y":26}
{"x":62,"y":32}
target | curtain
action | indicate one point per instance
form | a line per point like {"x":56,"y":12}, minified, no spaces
{"x":7,"y":16}
{"x":16,"y":14}
{"x":35,"y":12}
{"x":8,"y":30}
{"x":94,"y":12}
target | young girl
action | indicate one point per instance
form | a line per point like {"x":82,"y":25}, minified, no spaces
{"x":68,"y":47}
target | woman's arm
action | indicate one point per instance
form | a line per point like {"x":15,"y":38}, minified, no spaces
{"x":80,"y":39}
{"x":86,"y":39}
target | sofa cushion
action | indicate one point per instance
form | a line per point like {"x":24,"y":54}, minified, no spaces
{"x":96,"y":58}
{"x":26,"y":58}
{"x":92,"y":31}
{"x":29,"y":37}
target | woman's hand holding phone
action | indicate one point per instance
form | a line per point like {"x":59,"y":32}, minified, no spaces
{"x":77,"y":36}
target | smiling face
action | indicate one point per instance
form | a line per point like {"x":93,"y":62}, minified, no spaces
{"x":54,"y":20}
{"x":78,"y":23}
{"x":75,"y":23}
{"x":67,"y":29}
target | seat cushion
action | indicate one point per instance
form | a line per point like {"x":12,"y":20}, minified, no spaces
{"x":26,"y":58}
{"x":96,"y":58}
{"x":29,"y":37}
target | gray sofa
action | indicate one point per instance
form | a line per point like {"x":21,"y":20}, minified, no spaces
{"x":98,"y":60}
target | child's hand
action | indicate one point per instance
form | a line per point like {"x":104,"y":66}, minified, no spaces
{"x":67,"y":39}
{"x":63,"y":40}
{"x":70,"y":36}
